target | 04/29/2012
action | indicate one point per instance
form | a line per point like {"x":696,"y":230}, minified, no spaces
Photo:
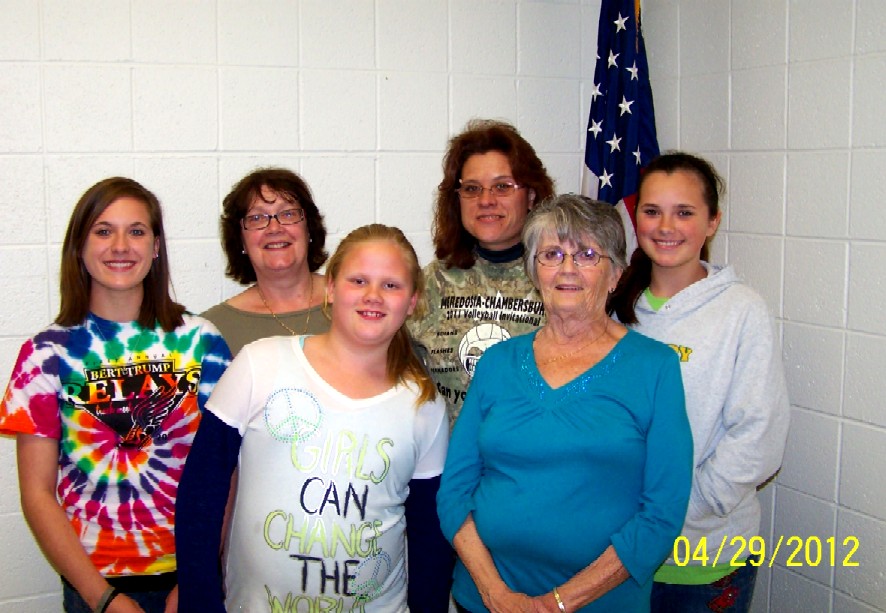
{"x":808,"y":551}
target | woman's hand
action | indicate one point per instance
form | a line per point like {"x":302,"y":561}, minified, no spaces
{"x":546,"y":603}
{"x":172,"y":601}
{"x":38,"y":475}
{"x":124,"y":604}
{"x":504,"y":600}
{"x":496,"y":595}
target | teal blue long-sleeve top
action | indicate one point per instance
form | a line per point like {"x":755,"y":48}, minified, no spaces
{"x":552,"y":477}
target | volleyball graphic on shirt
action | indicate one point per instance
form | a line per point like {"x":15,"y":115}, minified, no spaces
{"x":292,"y":414}
{"x":477,"y":340}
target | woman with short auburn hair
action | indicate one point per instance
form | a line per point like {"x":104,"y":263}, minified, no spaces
{"x":274,"y":241}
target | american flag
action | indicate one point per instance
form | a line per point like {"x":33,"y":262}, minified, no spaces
{"x":621,"y":128}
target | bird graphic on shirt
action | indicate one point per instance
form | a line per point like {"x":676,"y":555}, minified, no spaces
{"x":147,"y":414}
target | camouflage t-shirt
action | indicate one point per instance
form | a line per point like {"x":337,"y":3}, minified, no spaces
{"x":471,"y":310}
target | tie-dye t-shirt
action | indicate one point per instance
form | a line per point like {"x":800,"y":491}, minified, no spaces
{"x":124,"y":403}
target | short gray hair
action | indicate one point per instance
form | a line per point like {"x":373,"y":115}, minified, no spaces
{"x":574,"y":218}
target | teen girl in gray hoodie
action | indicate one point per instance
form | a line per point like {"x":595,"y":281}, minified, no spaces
{"x":733,"y":377}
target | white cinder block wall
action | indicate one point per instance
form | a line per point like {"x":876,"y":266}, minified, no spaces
{"x":785,"y":96}
{"x":359,"y":96}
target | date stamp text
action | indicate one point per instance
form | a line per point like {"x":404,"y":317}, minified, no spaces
{"x":801,"y":551}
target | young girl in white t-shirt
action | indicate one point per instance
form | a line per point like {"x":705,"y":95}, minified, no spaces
{"x":339,"y":440}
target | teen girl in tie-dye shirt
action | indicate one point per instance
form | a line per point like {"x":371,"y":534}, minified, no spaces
{"x":104,"y":404}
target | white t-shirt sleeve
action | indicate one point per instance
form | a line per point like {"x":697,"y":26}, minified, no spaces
{"x":231,"y":399}
{"x":432,"y":437}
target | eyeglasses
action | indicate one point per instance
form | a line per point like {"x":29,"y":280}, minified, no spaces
{"x":260,"y":221}
{"x":469,"y":191}
{"x":584,"y":258}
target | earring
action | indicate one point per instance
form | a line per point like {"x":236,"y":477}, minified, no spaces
{"x":243,"y":252}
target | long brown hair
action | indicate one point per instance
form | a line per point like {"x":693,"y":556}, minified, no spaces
{"x":452,"y":243}
{"x":289,"y":186}
{"x":75,"y":285}
{"x":638,"y":276}
{"x":403,"y":364}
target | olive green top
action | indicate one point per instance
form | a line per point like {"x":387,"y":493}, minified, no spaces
{"x":240,"y":328}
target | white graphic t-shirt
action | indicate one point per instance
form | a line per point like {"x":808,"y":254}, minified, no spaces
{"x":318,"y":522}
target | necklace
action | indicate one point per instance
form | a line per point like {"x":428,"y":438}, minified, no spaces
{"x":574,"y":352}
{"x":280,"y":321}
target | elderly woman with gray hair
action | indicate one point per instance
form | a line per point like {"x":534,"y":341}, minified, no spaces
{"x":569,"y":468}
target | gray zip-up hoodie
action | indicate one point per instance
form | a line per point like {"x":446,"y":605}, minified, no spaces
{"x":736,"y":399}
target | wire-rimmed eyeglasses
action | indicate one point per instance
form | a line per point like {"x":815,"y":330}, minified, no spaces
{"x":500,"y":189}
{"x":260,"y":221}
{"x":555,"y":257}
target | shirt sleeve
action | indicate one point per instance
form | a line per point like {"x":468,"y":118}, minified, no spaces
{"x":432,"y":432}
{"x":231,"y":399}
{"x":216,"y":358}
{"x":431,"y":559}
{"x":646,"y":540}
{"x":199,"y":512}
{"x":756,"y":416}
{"x":31,"y":402}
{"x":464,"y":465}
